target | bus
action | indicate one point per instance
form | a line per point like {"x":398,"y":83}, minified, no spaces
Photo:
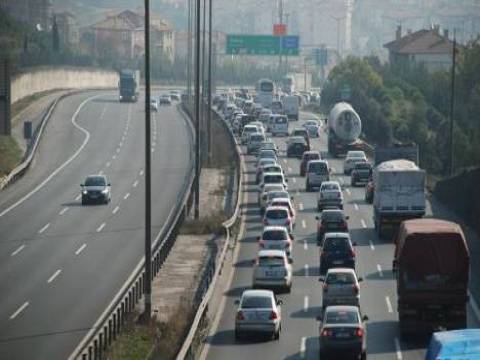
{"x":265,"y":90}
{"x":288,"y":84}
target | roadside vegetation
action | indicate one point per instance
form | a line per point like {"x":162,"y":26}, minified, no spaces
{"x":407,"y":103}
{"x":10,"y":155}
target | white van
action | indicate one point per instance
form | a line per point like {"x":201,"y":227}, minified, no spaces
{"x":279,"y":125}
{"x":317,"y":172}
{"x":291,"y":106}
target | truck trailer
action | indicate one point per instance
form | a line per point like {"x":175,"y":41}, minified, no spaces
{"x":431,"y":266}
{"x":344,"y":129}
{"x":129,"y":85}
{"x":399,"y":195}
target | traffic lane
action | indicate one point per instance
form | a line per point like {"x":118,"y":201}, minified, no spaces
{"x":104,"y":242}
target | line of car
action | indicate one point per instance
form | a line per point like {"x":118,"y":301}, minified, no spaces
{"x":164,"y":99}
{"x":342,"y":324}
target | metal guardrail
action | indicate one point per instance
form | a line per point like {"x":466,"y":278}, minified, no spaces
{"x":192,"y":342}
{"x":110,"y":322}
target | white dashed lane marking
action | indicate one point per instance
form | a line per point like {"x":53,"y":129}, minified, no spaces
{"x":126,"y":196}
{"x":20,"y":248}
{"x":115,"y":210}
{"x":389,"y":304}
{"x":135,"y":183}
{"x":372,"y":246}
{"x":63,"y":211}
{"x":355,"y":206}
{"x":42,"y":230}
{"x":55,"y":274}
{"x":19,"y":310}
{"x":398,"y":349}
{"x":300,"y":207}
{"x":305,"y":303}
{"x":303,"y":346}
{"x":304,"y":224}
{"x":80,"y":249}
{"x":306,"y":270}
{"x":379,"y":269}
{"x":101,"y":227}
{"x":364,"y":225}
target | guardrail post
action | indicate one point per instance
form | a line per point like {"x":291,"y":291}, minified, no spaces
{"x":84,"y":356}
{"x":115,"y":325}
{"x":100,"y":345}
{"x":95,"y":349}
{"x":90,"y":352}
{"x":105,"y":337}
{"x":110,"y":329}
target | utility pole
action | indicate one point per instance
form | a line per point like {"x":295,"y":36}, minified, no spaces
{"x":148,"y":174}
{"x":338,"y":19}
{"x":452,"y":106}
{"x":197,"y":109}
{"x":189,"y":49}
{"x":280,"y":18}
{"x":203,"y":105}
{"x":209,"y":80}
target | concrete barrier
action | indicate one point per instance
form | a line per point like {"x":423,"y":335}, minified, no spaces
{"x":43,"y":79}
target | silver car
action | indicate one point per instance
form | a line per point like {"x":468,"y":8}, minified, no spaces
{"x":254,"y":142}
{"x":272,"y":270}
{"x":330,"y":196}
{"x":276,"y":238}
{"x":96,"y":189}
{"x":343,"y":333}
{"x":340,"y":287}
{"x":259,"y":312}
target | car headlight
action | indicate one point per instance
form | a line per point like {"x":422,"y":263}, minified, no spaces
{"x":104,"y":191}
{"x":84,"y":192}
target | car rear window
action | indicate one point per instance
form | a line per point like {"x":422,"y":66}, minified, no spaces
{"x":330,"y":187}
{"x":256,"y":302}
{"x":341,"y":317}
{"x":271,"y":261}
{"x":363,"y":166}
{"x":272,"y":169}
{"x":274,"y":235}
{"x":335,"y":244}
{"x":312,"y":156}
{"x":318,"y":166}
{"x":250,"y":129}
{"x":280,"y":120}
{"x":277,"y":194}
{"x":332,"y":216}
{"x":277,"y":214}
{"x":256,"y":137}
{"x":273,"y":179}
{"x":299,"y":132}
{"x":340,"y":279}
{"x":267,"y":153}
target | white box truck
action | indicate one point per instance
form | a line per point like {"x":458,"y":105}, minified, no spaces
{"x":399,"y":195}
{"x":291,"y":107}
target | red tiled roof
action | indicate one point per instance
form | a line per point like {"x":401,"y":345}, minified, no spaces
{"x":421,"y":42}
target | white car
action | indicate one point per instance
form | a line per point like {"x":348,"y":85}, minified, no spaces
{"x":313,"y":128}
{"x":247,"y":130}
{"x":340,"y":287}
{"x":259,"y":312}
{"x":262,"y":197}
{"x":351,"y":159}
{"x":272,"y":269}
{"x":270,"y":168}
{"x":330,"y":196}
{"x":154,"y":104}
{"x":267,"y":153}
{"x":279,"y":125}
{"x":272,"y":178}
{"x":279,"y":216}
{"x":285,"y":201}
{"x":271,"y":195}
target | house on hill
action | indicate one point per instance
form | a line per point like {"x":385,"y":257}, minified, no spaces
{"x":426,"y":46}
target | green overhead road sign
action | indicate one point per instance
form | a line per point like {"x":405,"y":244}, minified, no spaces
{"x":262,"y":45}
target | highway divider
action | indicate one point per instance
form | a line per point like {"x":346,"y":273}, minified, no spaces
{"x":109,"y":324}
{"x":194,"y":339}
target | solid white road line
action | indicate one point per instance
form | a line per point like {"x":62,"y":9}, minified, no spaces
{"x":306,"y":270}
{"x":20,"y":248}
{"x":55,"y":274}
{"x":372,"y":247}
{"x":398,"y":349}
{"x":60,"y":168}
{"x":300,"y":207}
{"x":474,"y":305}
{"x":389,"y":304}
{"x":364,"y":225}
{"x":80,"y":249}
{"x":355,"y":206}
{"x":304,"y":224}
{"x":63,"y":211}
{"x":20,"y":309}
{"x":115,"y":210}
{"x":44,"y":228}
{"x":305,"y":303}
{"x":101,"y":227}
{"x":303,"y":346}
{"x":379,"y":269}
{"x":135,"y":183}
{"x":126,"y":196}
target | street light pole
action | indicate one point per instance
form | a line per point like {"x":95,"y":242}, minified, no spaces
{"x":209,"y":107}
{"x":189,"y":49}
{"x":452,"y":106}
{"x":203,"y":107}
{"x":148,"y":173}
{"x":197,"y":110}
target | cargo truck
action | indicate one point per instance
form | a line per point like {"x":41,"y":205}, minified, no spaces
{"x":399,"y":195}
{"x":431,"y":266}
{"x":129,"y":85}
{"x":344,"y":129}
{"x":291,"y":107}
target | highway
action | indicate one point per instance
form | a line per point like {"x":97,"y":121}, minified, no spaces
{"x":62,"y":263}
{"x":299,"y":337}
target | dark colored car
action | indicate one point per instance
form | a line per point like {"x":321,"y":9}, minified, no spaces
{"x":96,"y":189}
{"x":369,"y":191}
{"x":304,"y":133}
{"x":337,"y":251}
{"x":361,"y":173}
{"x":296,"y":146}
{"x":306,"y":157}
{"x":331,"y":220}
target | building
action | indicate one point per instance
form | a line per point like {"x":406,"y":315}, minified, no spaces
{"x":67,"y":28}
{"x":124,"y":33}
{"x":33,"y":12}
{"x":219,"y":41}
{"x":427,"y":47}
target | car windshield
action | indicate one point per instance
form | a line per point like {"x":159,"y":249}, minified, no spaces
{"x":342,"y":317}
{"x":274,"y":235}
{"x":340,"y":278}
{"x":95,"y":181}
{"x":256,"y":302}
{"x":277,"y":214}
{"x":335,"y":244}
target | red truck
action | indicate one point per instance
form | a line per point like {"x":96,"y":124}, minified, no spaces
{"x":431,"y":265}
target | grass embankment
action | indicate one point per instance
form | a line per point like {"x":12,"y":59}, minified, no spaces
{"x":10,"y":154}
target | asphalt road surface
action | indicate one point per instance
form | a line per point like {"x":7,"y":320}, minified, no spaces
{"x":62,"y":263}
{"x":299,"y":337}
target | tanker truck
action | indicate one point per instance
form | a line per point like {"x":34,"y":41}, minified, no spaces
{"x":344,"y":128}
